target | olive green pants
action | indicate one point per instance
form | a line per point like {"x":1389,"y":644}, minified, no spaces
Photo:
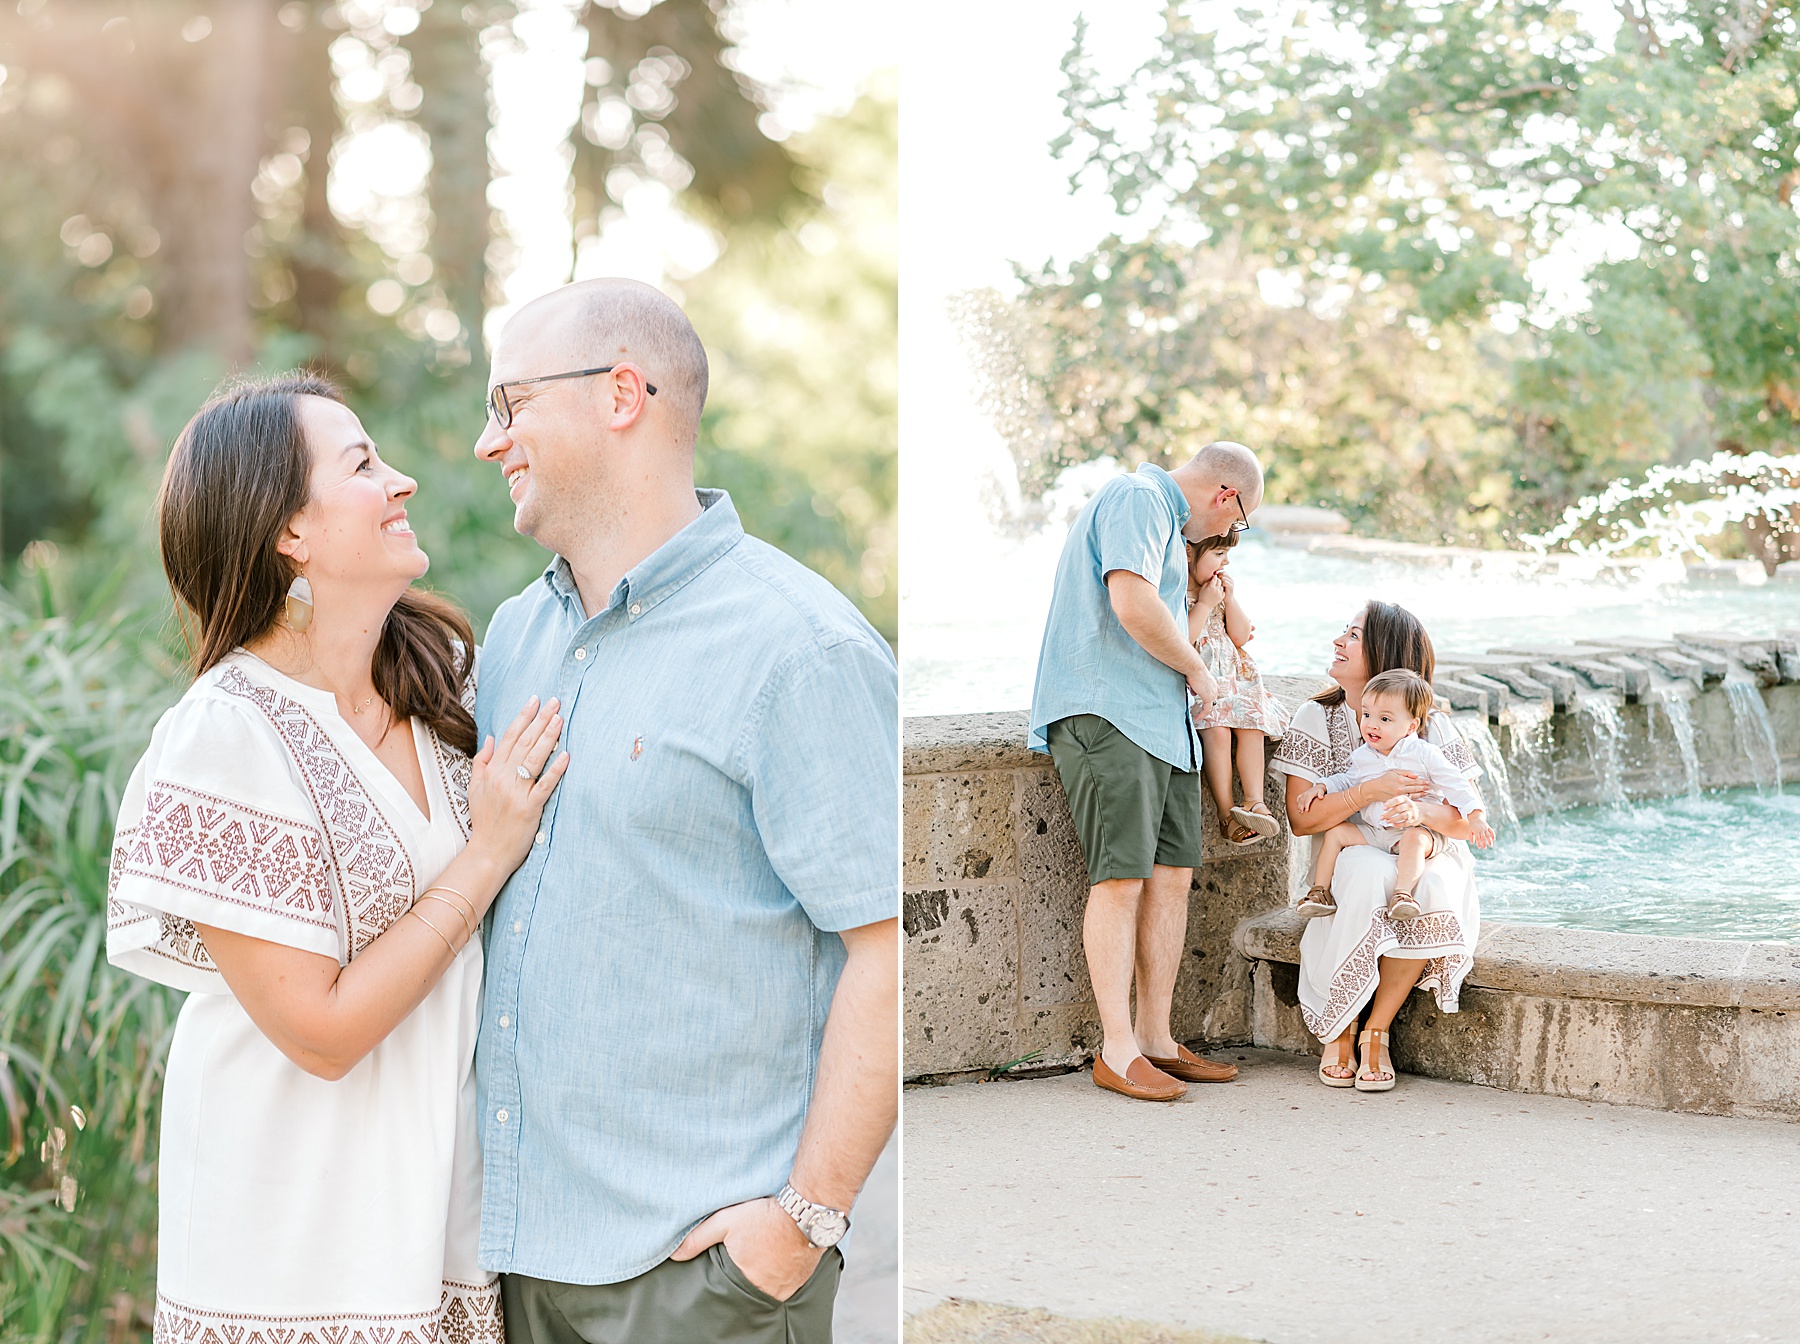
{"x":696,"y":1301}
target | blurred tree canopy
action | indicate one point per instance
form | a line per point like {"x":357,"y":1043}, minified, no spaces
{"x":1401,"y":172}
{"x":167,"y":216}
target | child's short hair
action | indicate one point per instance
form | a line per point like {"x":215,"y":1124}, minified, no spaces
{"x":1413,"y":690}
{"x":1196,"y":549}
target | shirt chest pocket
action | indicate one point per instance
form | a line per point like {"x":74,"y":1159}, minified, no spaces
{"x":669,"y":784}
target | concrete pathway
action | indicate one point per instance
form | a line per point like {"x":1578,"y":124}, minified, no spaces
{"x":868,"y":1300}
{"x":1262,"y":1207}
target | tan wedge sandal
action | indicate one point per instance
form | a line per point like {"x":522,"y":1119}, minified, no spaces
{"x":1331,"y":1079}
{"x":1375,"y":1061}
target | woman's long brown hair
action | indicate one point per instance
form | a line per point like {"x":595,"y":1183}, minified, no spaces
{"x":239,"y":471}
{"x":1392,"y":638}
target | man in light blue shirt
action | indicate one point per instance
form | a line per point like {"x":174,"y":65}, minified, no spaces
{"x":687,"y":1062}
{"x":1111,"y":708}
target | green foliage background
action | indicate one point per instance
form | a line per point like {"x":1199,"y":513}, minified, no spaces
{"x":1397,"y":168}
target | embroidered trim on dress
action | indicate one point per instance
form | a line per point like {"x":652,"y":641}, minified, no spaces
{"x":456,"y":770}
{"x":1356,"y":976}
{"x":374,"y":871}
{"x":222,"y":850}
{"x":467,"y":1313}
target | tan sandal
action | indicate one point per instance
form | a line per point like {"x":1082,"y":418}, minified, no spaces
{"x":1403,"y":906}
{"x":1317,"y":901}
{"x":1378,"y":1075}
{"x":1257,"y":817}
{"x":1331,"y":1079}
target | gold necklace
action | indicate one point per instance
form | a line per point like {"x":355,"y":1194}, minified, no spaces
{"x":357,"y":709}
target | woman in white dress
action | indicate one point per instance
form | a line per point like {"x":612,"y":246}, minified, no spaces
{"x":1359,"y":957}
{"x":307,"y":848}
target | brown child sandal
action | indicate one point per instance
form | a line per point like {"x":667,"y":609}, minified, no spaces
{"x":1403,"y":906}
{"x":1317,"y":901}
{"x":1257,"y":817}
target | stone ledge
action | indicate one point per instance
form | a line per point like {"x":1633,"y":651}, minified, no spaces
{"x":1586,"y":964}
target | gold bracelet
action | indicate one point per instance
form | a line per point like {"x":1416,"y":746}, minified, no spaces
{"x":434,"y":928}
{"x":467,"y":927}
{"x":470,"y":918}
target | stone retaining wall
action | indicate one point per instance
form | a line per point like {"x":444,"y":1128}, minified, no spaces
{"x":995,"y":889}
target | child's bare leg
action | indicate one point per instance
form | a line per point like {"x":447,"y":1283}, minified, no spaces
{"x":1331,"y":844}
{"x":1250,"y":764}
{"x":1216,"y":762}
{"x":1414,"y":844}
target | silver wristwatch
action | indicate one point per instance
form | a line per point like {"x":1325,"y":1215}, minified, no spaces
{"x":820,"y":1224}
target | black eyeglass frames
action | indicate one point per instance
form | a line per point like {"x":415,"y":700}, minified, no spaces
{"x":1244,"y":525}
{"x":500,"y":406}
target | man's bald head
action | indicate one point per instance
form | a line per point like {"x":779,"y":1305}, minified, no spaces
{"x":1231,"y":464}
{"x":592,"y":323}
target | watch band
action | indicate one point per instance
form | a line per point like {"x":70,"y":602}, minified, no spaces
{"x":822,"y":1225}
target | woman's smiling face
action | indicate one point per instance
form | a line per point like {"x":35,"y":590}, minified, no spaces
{"x":354,"y":527}
{"x":1349,"y":665}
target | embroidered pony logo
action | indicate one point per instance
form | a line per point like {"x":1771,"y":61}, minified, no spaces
{"x":637,"y":747}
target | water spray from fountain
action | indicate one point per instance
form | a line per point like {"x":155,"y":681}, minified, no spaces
{"x":1754,"y":734}
{"x":1741,"y":486}
{"x":1674,"y":708}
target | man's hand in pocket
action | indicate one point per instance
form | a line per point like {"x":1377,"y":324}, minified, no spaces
{"x":762,"y":1241}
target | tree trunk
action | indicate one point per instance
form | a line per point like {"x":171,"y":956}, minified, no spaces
{"x":447,"y":66}
{"x":200,"y":193}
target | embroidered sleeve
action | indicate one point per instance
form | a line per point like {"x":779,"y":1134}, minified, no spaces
{"x":1311,"y":749}
{"x":1441,"y":732}
{"x":214,"y":829}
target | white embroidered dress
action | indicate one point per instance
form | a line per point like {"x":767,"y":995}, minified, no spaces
{"x":295,"y":1210}
{"x":1339,"y":954}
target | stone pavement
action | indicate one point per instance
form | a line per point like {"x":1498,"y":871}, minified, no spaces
{"x":1263,"y":1207}
{"x":868,"y":1301}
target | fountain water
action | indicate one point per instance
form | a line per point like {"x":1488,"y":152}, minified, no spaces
{"x":1602,"y":730}
{"x":1674,"y":708}
{"x":1754,"y":734}
{"x":1739,"y":486}
{"x":1495,"y":785}
{"x":1531,"y":739}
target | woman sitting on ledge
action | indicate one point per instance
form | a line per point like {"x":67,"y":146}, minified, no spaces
{"x":1358,"y":954}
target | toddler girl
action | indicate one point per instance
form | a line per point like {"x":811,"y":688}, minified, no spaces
{"x":1219,"y":629}
{"x":1394,"y":706}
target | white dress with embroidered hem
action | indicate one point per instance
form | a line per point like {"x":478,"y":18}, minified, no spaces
{"x":1340,"y":953}
{"x":295,"y":1210}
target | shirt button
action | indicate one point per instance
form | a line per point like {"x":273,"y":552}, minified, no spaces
{"x":504,"y":1020}
{"x":518,"y":926}
{"x":580,"y":654}
{"x":540,"y":837}
{"x":636,"y":609}
{"x":500,"y":1115}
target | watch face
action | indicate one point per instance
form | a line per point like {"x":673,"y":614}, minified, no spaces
{"x":825,"y":1228}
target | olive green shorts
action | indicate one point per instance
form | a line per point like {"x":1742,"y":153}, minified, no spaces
{"x":693,"y":1301}
{"x":1132,"y":811}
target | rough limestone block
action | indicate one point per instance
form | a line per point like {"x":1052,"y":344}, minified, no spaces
{"x":1713,"y":1061}
{"x":1461,"y":695}
{"x":961,"y":993}
{"x":1278,"y":1023}
{"x":959,"y":828}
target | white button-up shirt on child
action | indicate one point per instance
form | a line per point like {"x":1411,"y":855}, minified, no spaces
{"x":1414,"y":753}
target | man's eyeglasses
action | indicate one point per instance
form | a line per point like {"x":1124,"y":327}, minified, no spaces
{"x":501,"y":408}
{"x":1245,"y":523}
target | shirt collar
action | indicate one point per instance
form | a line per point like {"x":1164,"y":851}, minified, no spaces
{"x":1171,"y":491}
{"x":669,"y":566}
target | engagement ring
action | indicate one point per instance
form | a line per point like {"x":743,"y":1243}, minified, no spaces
{"x":525,"y":772}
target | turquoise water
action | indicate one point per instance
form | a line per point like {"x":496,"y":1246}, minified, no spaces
{"x":1720,"y":865}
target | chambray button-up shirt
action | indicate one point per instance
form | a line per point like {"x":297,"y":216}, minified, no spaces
{"x":661,"y":965}
{"x":1088,"y":663}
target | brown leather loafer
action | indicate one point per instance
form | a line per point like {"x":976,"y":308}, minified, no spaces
{"x":1142,"y":1081}
{"x":1191,"y":1067}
